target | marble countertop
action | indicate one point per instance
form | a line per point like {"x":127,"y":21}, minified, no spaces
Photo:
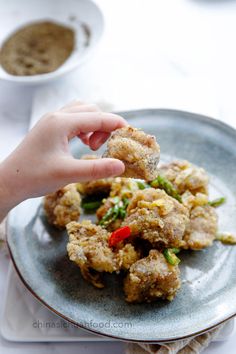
{"x":167,"y":54}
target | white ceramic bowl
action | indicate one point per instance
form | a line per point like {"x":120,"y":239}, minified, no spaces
{"x":77,"y":14}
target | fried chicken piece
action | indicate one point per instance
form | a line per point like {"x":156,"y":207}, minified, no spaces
{"x":88,"y":247}
{"x":63,"y":206}
{"x":202,"y":229}
{"x":99,"y":186}
{"x":140,"y":152}
{"x":185,"y":176}
{"x":157,"y":218}
{"x":151,"y":278}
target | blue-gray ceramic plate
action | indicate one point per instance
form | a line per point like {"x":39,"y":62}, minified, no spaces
{"x":208,"y":292}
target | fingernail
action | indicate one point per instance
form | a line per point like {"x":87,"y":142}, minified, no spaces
{"x":117,"y":167}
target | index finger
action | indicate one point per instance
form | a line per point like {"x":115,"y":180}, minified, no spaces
{"x":86,"y":122}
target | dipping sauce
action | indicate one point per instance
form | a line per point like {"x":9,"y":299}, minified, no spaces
{"x":38,"y":48}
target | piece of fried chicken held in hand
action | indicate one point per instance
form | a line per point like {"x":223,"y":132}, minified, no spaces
{"x":139,"y":152}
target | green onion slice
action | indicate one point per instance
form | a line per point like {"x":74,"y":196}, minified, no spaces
{"x":163,"y":183}
{"x":217,"y":202}
{"x":170,"y":256}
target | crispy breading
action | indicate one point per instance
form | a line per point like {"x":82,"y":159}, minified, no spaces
{"x":88,"y":247}
{"x":151,"y":278}
{"x":123,"y":187}
{"x":127,"y":255}
{"x":140,"y":152}
{"x":63,"y":206}
{"x":157,"y":217}
{"x":185,"y":176}
{"x":202,"y":229}
{"x":190,"y":200}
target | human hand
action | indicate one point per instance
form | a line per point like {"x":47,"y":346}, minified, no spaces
{"x":42,"y":163}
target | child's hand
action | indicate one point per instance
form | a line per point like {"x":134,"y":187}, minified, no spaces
{"x":42,"y":163}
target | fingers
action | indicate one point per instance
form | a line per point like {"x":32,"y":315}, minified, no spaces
{"x":84,"y":137}
{"x":88,"y":170}
{"x":97,"y":139}
{"x":71,"y":104}
{"x":86,"y":122}
{"x":94,"y":140}
{"x":77,"y":108}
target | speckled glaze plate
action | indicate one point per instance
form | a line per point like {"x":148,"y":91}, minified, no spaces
{"x":208,"y":292}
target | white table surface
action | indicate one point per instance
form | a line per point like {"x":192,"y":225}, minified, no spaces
{"x":169,"y":54}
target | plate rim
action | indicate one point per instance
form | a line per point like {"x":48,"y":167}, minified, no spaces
{"x":102,"y":334}
{"x":212,"y":121}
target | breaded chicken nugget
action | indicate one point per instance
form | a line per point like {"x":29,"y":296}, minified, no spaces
{"x":63,"y":206}
{"x":185,"y":176}
{"x":140,"y":152}
{"x":202,"y":229}
{"x":88,"y":247}
{"x":157,"y":218}
{"x":152,"y":278}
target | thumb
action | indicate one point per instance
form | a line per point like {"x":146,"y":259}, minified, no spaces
{"x":88,"y":170}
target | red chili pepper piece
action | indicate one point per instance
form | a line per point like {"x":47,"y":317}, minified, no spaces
{"x":119,"y":235}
